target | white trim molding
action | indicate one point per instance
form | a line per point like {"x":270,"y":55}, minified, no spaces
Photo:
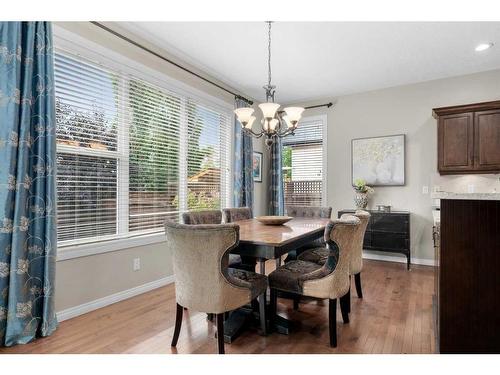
{"x":84,"y":308}
{"x":99,"y":247}
{"x":398,"y":259}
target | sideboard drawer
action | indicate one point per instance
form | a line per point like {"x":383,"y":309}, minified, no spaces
{"x":367,"y":242}
{"x":390,"y":223}
{"x":391,"y":241}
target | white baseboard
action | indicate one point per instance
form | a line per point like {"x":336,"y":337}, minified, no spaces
{"x":398,"y":259}
{"x":113,"y":298}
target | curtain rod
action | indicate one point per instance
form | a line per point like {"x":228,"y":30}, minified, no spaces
{"x":123,"y":37}
{"x":328,"y":105}
{"x":237,"y":96}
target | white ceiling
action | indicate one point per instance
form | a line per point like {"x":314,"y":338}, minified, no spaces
{"x":313,"y":60}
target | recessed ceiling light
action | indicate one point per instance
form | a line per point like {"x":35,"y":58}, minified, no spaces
{"x":483,"y":46}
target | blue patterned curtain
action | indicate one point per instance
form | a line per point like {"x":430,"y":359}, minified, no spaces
{"x":27,"y":182}
{"x":276,"y":194}
{"x":243,"y":160}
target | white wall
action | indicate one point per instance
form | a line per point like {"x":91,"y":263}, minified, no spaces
{"x":85,"y":279}
{"x":404,"y":109}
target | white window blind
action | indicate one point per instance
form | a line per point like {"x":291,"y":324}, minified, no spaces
{"x":303,"y":164}
{"x":132,"y":153}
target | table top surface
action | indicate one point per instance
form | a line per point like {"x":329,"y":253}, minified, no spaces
{"x":254,"y":232}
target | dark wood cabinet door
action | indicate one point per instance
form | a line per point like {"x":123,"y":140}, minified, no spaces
{"x":487,"y":140}
{"x":456,"y":143}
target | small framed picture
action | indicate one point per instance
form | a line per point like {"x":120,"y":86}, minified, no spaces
{"x":257,"y":166}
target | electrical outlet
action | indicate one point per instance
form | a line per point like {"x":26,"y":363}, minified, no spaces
{"x":137,"y":264}
{"x":425,"y":189}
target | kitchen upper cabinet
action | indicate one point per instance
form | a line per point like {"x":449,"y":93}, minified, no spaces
{"x":487,"y":140}
{"x":469,"y":138}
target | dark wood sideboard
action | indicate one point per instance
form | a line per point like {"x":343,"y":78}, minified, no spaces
{"x":387,"y":232}
{"x":469,"y":138}
{"x":467,"y":288}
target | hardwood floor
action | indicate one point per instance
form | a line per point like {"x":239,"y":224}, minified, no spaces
{"x":394,"y":316}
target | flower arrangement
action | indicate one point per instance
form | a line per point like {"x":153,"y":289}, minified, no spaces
{"x":360,"y":186}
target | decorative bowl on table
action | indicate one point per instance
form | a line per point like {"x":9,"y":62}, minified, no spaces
{"x":273,"y":220}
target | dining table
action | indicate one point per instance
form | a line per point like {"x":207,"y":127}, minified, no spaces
{"x":263,"y":242}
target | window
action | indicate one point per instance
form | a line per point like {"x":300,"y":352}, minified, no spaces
{"x":303,"y":164}
{"x":131,"y":152}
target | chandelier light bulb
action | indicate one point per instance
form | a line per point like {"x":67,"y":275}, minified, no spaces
{"x":294,"y":113}
{"x":244,"y":114}
{"x":269,"y":109}
{"x":273,"y":124}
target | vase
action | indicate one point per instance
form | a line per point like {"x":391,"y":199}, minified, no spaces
{"x":361,"y":200}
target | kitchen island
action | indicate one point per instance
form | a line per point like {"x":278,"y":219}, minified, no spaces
{"x":467,"y":241}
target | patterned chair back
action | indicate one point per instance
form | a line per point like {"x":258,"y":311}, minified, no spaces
{"x":231,"y":215}
{"x":202,"y":217}
{"x":309,"y":212}
{"x":357,"y":255}
{"x":200,"y":259}
{"x":334,"y":275}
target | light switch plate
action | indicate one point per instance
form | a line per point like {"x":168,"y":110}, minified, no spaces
{"x":470,"y":188}
{"x":425,"y":189}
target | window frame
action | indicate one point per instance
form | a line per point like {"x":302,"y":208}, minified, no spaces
{"x":324,"y":145}
{"x":78,"y":46}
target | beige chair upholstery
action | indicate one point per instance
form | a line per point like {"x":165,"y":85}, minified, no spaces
{"x":329,"y":280}
{"x":210,"y":217}
{"x":231,"y":215}
{"x":203,"y":281}
{"x":307,"y":212}
{"x":356,"y":264}
{"x":202,"y":217}
{"x":311,"y":212}
{"x":320,"y":254}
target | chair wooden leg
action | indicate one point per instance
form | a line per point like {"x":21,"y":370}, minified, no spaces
{"x":348,"y":298}
{"x":178,"y":323}
{"x":332,"y":321}
{"x":220,"y":333}
{"x":296,"y":300}
{"x":272,"y":308}
{"x":262,"y":313}
{"x":357,"y":281}
{"x":344,"y":305}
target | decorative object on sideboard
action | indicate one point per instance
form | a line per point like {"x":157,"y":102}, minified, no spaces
{"x":257,"y":166}
{"x":361,"y":193}
{"x":380,"y":161}
{"x":383,"y":208}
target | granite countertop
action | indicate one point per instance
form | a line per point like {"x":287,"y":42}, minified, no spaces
{"x":466,"y":196}
{"x":436,"y":216}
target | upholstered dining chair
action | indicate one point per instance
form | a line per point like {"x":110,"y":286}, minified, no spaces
{"x":231,"y":215}
{"x":202,"y":217}
{"x":320,"y":255}
{"x":307,"y":212}
{"x":203,"y":280}
{"x":210,"y":217}
{"x":328,"y":281}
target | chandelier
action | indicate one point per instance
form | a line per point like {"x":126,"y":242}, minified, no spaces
{"x":274,"y":123}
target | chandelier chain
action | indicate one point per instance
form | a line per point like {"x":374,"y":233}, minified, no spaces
{"x":269,"y":53}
